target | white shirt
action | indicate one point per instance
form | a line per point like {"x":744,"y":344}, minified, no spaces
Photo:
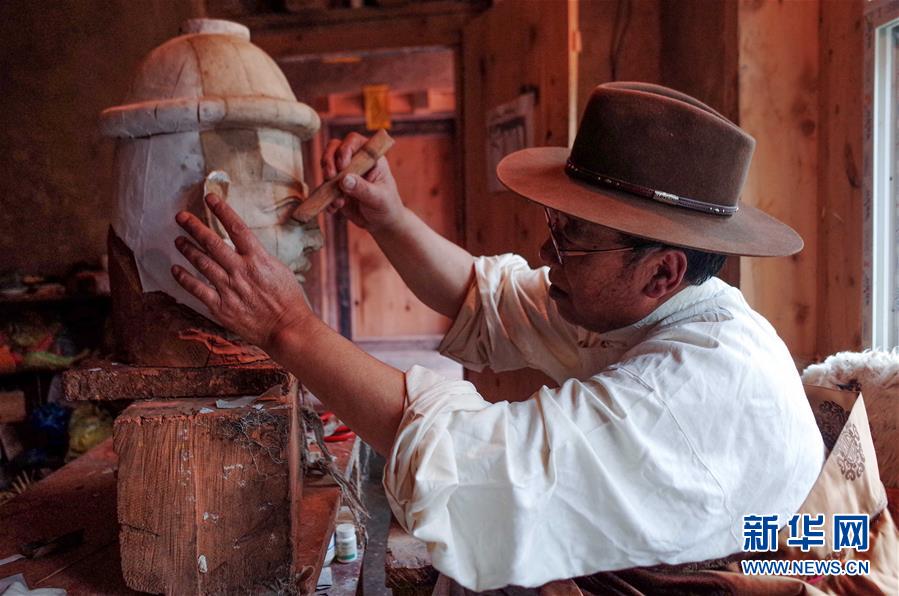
{"x":660,"y":437}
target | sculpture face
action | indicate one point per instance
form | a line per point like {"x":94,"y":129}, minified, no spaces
{"x":205,"y":101}
{"x":266,"y":185}
{"x":164,"y":174}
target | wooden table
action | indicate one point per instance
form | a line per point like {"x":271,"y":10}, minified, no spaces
{"x":82,"y":495}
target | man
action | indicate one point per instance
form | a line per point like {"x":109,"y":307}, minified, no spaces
{"x":678,"y":409}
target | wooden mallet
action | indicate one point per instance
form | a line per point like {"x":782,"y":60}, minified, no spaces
{"x":362,"y":161}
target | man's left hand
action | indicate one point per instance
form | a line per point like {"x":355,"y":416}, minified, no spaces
{"x":248,"y":291}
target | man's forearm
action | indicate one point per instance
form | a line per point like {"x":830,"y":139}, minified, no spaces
{"x":437,"y":271}
{"x":365,"y":393}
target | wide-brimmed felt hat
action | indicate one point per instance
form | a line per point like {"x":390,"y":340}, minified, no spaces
{"x":652,"y":162}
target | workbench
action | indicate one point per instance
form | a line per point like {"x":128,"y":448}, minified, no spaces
{"x":82,"y":495}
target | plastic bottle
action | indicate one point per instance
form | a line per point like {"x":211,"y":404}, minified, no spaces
{"x":346,"y":543}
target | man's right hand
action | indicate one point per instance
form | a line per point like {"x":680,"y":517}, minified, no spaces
{"x":436,"y":270}
{"x":370,"y":201}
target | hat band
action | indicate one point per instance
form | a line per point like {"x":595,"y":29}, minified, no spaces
{"x":646,"y":192}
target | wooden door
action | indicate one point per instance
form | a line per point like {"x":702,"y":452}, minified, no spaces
{"x":382,"y":307}
{"x":523,"y":52}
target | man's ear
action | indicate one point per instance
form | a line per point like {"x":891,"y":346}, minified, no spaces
{"x":667,"y":268}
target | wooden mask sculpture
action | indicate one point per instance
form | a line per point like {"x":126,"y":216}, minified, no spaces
{"x":207,"y":110}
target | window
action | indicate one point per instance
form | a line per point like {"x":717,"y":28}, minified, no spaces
{"x":883,"y":236}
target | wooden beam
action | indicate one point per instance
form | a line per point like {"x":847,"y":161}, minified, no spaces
{"x":205,"y":496}
{"x":109,"y":381}
{"x":407,"y":564}
{"x":841,"y":291}
{"x":327,"y":32}
{"x":779,"y":107}
{"x":620,"y":41}
{"x":689,"y":29}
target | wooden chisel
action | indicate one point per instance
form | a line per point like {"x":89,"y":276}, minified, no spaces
{"x":362,"y":161}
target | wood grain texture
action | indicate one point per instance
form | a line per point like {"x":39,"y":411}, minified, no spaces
{"x":623,"y":33}
{"x":382,"y":306}
{"x":204,"y":499}
{"x":318,"y":516}
{"x":841,"y":108}
{"x":109,"y":381}
{"x":415,"y":25}
{"x":779,"y":107}
{"x":535,"y":53}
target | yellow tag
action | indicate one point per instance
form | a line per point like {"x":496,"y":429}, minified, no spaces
{"x":377,"y":106}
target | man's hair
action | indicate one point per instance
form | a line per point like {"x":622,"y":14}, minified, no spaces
{"x":701,"y":265}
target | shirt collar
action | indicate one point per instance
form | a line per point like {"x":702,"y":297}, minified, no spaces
{"x":625,"y":337}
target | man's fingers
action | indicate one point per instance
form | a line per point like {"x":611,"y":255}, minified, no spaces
{"x":328,"y":167}
{"x":238,"y":232}
{"x":208,"y":240}
{"x":201,"y":261}
{"x":338,"y":153}
{"x":351,"y":144}
{"x":203,"y":292}
{"x":378,"y":171}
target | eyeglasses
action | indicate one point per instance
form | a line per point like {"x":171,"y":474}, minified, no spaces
{"x":561,"y":253}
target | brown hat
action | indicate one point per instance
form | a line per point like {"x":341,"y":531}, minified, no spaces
{"x":652,"y":162}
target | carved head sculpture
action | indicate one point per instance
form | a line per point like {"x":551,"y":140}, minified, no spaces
{"x":207,"y":102}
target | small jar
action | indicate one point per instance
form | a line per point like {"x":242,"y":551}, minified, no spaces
{"x":346,"y":543}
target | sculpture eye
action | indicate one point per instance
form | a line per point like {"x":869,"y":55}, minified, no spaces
{"x":284,"y":208}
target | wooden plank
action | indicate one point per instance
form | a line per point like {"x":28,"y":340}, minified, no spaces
{"x":111,"y":381}
{"x":623,"y":33}
{"x":779,"y":107}
{"x":282,"y":42}
{"x":382,"y":306}
{"x":407,"y":565}
{"x":12,"y":406}
{"x":205,"y":495}
{"x":841,"y":291}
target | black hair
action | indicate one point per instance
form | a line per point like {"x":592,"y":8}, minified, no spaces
{"x":701,"y":265}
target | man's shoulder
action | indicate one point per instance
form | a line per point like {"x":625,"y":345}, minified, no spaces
{"x":713,"y":328}
{"x":713,"y":301}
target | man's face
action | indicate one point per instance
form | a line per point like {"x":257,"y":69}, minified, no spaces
{"x":600,"y":291}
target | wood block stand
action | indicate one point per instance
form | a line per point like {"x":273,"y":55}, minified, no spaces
{"x":205,"y":496}
{"x":210,"y":500}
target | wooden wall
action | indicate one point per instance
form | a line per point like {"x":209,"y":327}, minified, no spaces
{"x":382,"y":305}
{"x":778,"y":105}
{"x":841,"y":106}
{"x":61,"y":63}
{"x":801,"y":96}
{"x":534,"y":53}
{"x":619,"y":41}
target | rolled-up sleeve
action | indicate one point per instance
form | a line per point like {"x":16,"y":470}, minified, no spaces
{"x":509,"y":493}
{"x":508,"y":321}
